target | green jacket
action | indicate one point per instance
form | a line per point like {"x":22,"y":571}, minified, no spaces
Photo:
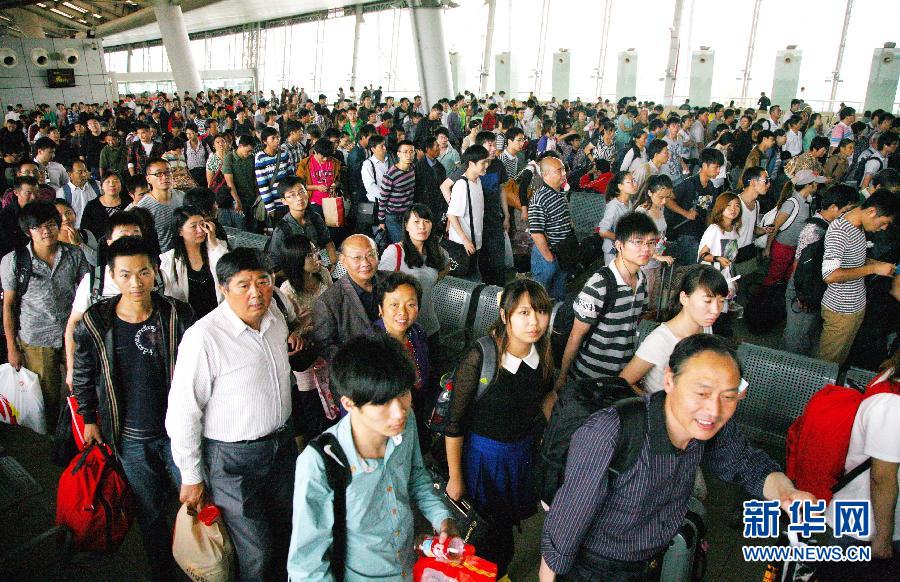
{"x":114,"y":160}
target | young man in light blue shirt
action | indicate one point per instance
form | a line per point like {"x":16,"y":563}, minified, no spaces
{"x":373,"y":376}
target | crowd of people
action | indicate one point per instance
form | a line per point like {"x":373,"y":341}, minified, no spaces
{"x":209,"y":368}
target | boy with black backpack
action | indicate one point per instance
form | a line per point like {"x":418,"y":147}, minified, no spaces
{"x":355,"y":482}
{"x":803,"y":299}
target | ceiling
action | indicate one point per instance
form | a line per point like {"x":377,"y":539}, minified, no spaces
{"x":120,"y":22}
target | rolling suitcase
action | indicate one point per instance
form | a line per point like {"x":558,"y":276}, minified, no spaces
{"x":685,"y":559}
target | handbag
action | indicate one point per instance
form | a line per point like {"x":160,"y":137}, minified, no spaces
{"x":567,"y":253}
{"x":473,"y":527}
{"x":218,"y":185}
{"x":201,"y":546}
{"x":333,"y":209}
{"x":462,"y":264}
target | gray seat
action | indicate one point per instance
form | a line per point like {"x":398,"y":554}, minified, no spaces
{"x":781,"y":384}
{"x":242,"y":238}
{"x":452,"y":302}
{"x":858,"y":378}
{"x":587,"y":211}
{"x":644,"y":328}
{"x":487,"y":311}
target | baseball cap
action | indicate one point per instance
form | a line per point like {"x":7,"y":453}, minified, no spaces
{"x":804,"y":177}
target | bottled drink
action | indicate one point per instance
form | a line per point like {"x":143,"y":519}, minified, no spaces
{"x":452,"y":549}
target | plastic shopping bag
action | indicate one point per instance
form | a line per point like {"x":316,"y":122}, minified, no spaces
{"x":21,"y":400}
{"x":201,"y":545}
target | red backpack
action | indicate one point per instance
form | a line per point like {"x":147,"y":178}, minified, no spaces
{"x":94,"y":500}
{"x":817,"y":442}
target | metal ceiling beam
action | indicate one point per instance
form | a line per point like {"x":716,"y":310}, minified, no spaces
{"x":4,"y":4}
{"x":145,"y":16}
{"x":60,"y":20}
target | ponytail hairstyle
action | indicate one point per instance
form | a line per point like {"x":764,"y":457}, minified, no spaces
{"x":612,"y":189}
{"x":509,"y":300}
{"x":655,"y":183}
{"x":786,"y":192}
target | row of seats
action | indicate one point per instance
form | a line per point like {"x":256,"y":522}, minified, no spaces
{"x":781,"y":382}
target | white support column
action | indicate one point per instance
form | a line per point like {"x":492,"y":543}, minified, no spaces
{"x":431,"y":55}
{"x":178,"y":46}
{"x":356,"y":33}
{"x":674,"y":48}
{"x":751,"y":44}
{"x":836,"y":78}
{"x":488,"y":46}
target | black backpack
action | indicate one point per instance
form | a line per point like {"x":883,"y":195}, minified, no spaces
{"x":565,"y":316}
{"x":338,"y":475}
{"x":22,"y":274}
{"x":578,"y":400}
{"x":859,"y":168}
{"x":437,"y":422}
{"x":808,"y":283}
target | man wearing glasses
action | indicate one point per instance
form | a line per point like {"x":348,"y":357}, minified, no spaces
{"x":162,"y":200}
{"x":39,"y":282}
{"x":349,"y":307}
{"x":603,"y":528}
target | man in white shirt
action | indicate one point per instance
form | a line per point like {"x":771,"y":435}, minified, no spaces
{"x":373,"y":169}
{"x":45,"y":148}
{"x":80,"y":189}
{"x":874,"y":438}
{"x":229,"y":414}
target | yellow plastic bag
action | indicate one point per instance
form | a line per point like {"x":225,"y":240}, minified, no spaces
{"x":203,"y":551}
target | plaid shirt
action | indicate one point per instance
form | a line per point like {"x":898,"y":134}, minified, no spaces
{"x":138,"y":157}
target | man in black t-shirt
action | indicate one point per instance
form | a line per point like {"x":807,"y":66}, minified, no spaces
{"x":144,"y":329}
{"x":687,"y":212}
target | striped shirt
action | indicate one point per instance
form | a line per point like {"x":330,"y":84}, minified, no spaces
{"x":611,"y":342}
{"x":845,"y":248}
{"x":511,"y":163}
{"x":638,"y":516}
{"x":548,"y":214}
{"x":231,"y":383}
{"x":163,"y":216}
{"x":266,"y":181}
{"x":397,"y":190}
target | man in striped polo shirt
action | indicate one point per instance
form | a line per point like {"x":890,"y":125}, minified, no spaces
{"x":603,"y":336}
{"x":844,"y":268}
{"x":398,"y":188}
{"x":549,"y":222}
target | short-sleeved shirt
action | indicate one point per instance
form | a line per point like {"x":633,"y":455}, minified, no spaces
{"x":611,"y":214}
{"x":83,"y":293}
{"x":845,"y":248}
{"x":459,"y":207}
{"x":610,"y":343}
{"x":656,"y":349}
{"x":163,"y":216}
{"x":691,"y":194}
{"x":875,"y":433}
{"x":548,"y":214}
{"x":46,"y":304}
{"x":791,"y":234}
{"x":243,"y":171}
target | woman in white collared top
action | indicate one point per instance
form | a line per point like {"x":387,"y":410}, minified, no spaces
{"x":189,"y":268}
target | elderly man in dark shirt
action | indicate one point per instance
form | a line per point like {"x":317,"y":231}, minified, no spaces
{"x":601,"y":531}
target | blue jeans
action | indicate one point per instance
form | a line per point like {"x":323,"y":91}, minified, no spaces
{"x":151,"y":473}
{"x":395,"y":227}
{"x":548,"y":274}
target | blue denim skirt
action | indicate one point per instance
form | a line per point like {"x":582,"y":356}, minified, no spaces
{"x":499,"y":478}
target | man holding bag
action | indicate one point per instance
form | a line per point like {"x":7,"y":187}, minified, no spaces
{"x":124,"y":359}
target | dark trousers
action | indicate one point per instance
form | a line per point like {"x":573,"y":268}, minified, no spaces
{"x":199,"y":176}
{"x":252,"y":483}
{"x":492,"y":257}
{"x":151,"y":473}
{"x":592,"y":568}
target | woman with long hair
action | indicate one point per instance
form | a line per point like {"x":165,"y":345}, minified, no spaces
{"x":305,"y":280}
{"x":188,"y":269}
{"x":636,"y":151}
{"x":421,"y":255}
{"x":695,"y":309}
{"x":652,"y":203}
{"x":793,"y":209}
{"x":491,"y":440}
{"x":98,"y":210}
{"x":217,"y":157}
{"x":619,"y":193}
{"x":719,"y":243}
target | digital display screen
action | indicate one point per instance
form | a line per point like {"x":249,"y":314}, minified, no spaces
{"x":60,"y":78}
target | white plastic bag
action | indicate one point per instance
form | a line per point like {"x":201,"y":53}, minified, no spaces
{"x":204,"y":552}
{"x":21,"y":400}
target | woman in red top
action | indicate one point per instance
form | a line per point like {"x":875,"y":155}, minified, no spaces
{"x":597,"y":178}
